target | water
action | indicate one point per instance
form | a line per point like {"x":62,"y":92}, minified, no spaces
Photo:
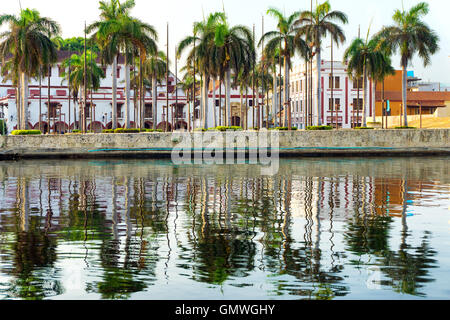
{"x":320,"y":229}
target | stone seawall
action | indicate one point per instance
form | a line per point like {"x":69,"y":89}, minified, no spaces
{"x":298,"y":143}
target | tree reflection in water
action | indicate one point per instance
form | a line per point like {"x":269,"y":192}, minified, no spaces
{"x":143,"y":224}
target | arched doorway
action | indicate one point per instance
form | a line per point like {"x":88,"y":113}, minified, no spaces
{"x":44,"y":127}
{"x":181,"y":125}
{"x":236,"y":121}
{"x":162,"y":126}
{"x":148,"y":125}
{"x":109,"y":125}
{"x":96,"y":126}
{"x":60,"y":127}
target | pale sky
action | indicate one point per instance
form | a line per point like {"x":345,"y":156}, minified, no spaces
{"x":181,"y":14}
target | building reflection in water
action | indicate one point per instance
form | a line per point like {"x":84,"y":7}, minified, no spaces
{"x":135,"y":224}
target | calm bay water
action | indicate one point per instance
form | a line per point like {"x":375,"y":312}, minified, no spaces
{"x":144,"y":229}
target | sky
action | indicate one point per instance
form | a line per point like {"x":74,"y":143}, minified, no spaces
{"x":180,"y":14}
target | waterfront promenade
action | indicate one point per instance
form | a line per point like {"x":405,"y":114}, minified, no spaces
{"x":294,"y":143}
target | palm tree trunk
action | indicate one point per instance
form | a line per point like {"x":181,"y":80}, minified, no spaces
{"x":374,"y":92}
{"x":214,"y":103}
{"x":286,"y":90}
{"x":127,"y":93}
{"x":24,"y":101}
{"x":404,"y":96}
{"x":319,"y":86}
{"x":275,"y":98}
{"x":114,"y":94}
{"x":228,"y":97}
{"x":364,"y":120}
{"x":19,"y":103}
{"x":155,"y":102}
{"x":206,"y":100}
{"x":240,"y":109}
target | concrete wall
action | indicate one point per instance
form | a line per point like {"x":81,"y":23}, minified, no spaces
{"x":342,"y":142}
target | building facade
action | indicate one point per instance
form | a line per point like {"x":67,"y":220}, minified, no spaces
{"x":339,"y":96}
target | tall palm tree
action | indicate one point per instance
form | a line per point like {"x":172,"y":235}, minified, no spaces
{"x":110,"y":14}
{"x":234,"y":50}
{"x":204,"y":55}
{"x":154,"y":68}
{"x":28,"y":45}
{"x":363,"y":55}
{"x":410,"y":35}
{"x":316,"y":25}
{"x":286,"y":36}
{"x":119,"y":33}
{"x":76,"y":78}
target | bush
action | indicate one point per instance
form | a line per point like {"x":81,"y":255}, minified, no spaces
{"x":153,"y":130}
{"x":3,"y":129}
{"x":319,"y":128}
{"x":108,"y":131}
{"x":364,"y":128}
{"x":223,"y":128}
{"x":403,"y":128}
{"x":124,"y":130}
{"x":25,"y":132}
{"x":286,"y":129}
{"x":199,"y":130}
{"x":76,"y":131}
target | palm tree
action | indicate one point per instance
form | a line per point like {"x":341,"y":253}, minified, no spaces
{"x":235,"y":52}
{"x":410,"y":35}
{"x":363,"y":55}
{"x":118,"y":33}
{"x":28,"y":45}
{"x":315,"y":25}
{"x":76,"y":77}
{"x":110,"y":14}
{"x":284,"y":40}
{"x":204,"y":55}
{"x":155,"y":68}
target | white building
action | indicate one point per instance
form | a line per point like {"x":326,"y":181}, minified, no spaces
{"x":99,"y":117}
{"x":344,"y":95}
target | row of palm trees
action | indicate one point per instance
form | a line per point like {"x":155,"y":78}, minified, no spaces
{"x":217,"y":54}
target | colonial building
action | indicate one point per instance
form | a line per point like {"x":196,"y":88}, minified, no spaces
{"x":60,"y":117}
{"x":339,"y":95}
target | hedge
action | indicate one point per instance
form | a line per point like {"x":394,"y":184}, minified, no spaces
{"x":200,"y":130}
{"x":153,"y":130}
{"x":108,"y":131}
{"x":286,"y":129}
{"x":223,"y":128}
{"x":319,"y":128}
{"x":402,"y":128}
{"x":124,"y":130}
{"x":364,"y":128}
{"x":25,"y":132}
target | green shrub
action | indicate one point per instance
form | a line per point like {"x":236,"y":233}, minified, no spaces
{"x":153,"y":130}
{"x":108,"y":131}
{"x":3,"y":128}
{"x":223,"y":128}
{"x":319,"y":128}
{"x":200,"y":130}
{"x":25,"y":132}
{"x":286,"y":129}
{"x":403,"y":128}
{"x":76,"y":131}
{"x":124,"y":130}
{"x":363,"y":128}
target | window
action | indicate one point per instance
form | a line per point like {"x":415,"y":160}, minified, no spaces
{"x":357,"y":107}
{"x":250,"y":103}
{"x":148,"y":112}
{"x":334,"y":106}
{"x":337,"y":82}
{"x":358,"y":83}
{"x":301,"y":85}
{"x":217,"y":102}
{"x":301,"y":105}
